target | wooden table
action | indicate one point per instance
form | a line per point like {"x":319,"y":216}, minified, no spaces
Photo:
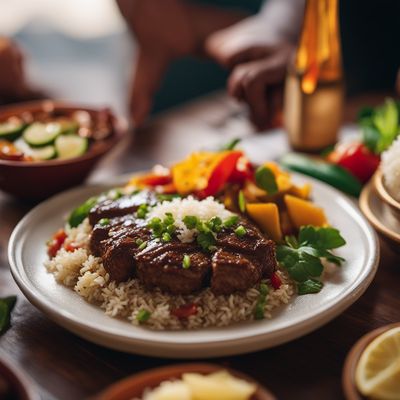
{"x":64,"y":366}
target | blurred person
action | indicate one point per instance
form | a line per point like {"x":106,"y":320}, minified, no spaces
{"x":13,"y":83}
{"x":256,"y":49}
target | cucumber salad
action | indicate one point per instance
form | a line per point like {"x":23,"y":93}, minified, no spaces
{"x":48,"y":135}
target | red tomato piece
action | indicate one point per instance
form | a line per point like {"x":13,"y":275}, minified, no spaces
{"x":275,"y":281}
{"x":185,"y":311}
{"x":70,"y":247}
{"x":243,"y":171}
{"x":56,"y":242}
{"x":155,"y":180}
{"x":221,"y":174}
{"x":357,"y":159}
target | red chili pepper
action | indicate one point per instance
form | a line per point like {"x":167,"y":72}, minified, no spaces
{"x":243,"y":171}
{"x":155,"y":180}
{"x":357,"y":159}
{"x":185,"y":311}
{"x":275,"y":281}
{"x":70,"y":247}
{"x":56,"y":242}
{"x":221,"y":174}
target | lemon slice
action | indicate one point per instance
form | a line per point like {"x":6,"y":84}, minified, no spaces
{"x":378,"y":371}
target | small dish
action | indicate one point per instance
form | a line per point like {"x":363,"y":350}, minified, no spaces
{"x":393,"y":204}
{"x":348,"y":376}
{"x":41,"y":179}
{"x":379,"y":214}
{"x":20,"y":386}
{"x":134,"y":386}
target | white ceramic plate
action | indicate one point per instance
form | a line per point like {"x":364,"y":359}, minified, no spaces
{"x":27,"y":252}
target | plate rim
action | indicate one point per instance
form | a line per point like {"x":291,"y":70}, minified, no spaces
{"x":219,"y":346}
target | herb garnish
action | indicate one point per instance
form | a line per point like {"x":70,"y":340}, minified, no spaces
{"x":186,"y":261}
{"x":240,"y":231}
{"x":104,"y":221}
{"x":231,"y":145}
{"x":265,"y":179}
{"x":143,"y":315}
{"x":81,"y":212}
{"x":302,"y":256}
{"x":262,"y":300}
{"x":142,"y":211}
{"x":6,"y":306}
{"x":242,"y":202}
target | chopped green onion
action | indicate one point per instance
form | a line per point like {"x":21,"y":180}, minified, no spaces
{"x":143,"y":245}
{"x":186,"y":261}
{"x":169,"y":219}
{"x":168,"y":197}
{"x":231,"y":221}
{"x":242,"y":202}
{"x":166,"y":237}
{"x":139,"y":241}
{"x":104,"y":221}
{"x":240,"y":231}
{"x":264,"y":289}
{"x":143,"y":315}
{"x":262,"y":300}
{"x":190,"y":221}
{"x":142,"y":211}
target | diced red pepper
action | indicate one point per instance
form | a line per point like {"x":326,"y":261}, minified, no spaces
{"x":221,"y":174}
{"x":275,"y":281}
{"x":357,"y":159}
{"x":56,"y":242}
{"x":155,"y":180}
{"x":243,"y":171}
{"x":185,"y":311}
{"x":70,"y":247}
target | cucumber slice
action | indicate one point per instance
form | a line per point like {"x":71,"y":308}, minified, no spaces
{"x":39,"y":134}
{"x":43,"y":153}
{"x":10,"y":130}
{"x":69,"y":146}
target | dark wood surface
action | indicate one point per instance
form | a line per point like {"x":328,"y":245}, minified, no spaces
{"x":64,"y":366}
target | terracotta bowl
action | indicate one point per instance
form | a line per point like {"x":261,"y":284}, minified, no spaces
{"x":19,"y":384}
{"x":349,"y":370}
{"x":38,"y":180}
{"x":134,"y":386}
{"x":384,"y":195}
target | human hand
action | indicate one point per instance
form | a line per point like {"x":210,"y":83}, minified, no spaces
{"x":166,"y":30}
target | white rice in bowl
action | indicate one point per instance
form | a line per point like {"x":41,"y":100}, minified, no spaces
{"x":86,"y":275}
{"x":391,"y":169}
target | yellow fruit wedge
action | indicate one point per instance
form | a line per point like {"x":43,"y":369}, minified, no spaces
{"x":303,"y":212}
{"x":378,"y":371}
{"x":266,"y":216}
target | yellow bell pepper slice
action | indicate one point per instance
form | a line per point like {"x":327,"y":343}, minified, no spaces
{"x":266,"y":216}
{"x":303,"y":212}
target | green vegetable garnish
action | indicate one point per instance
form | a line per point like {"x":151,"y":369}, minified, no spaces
{"x":190,"y":221}
{"x":262,"y":300}
{"x":139,"y":241}
{"x":6,"y":306}
{"x":265,"y":179}
{"x":143,"y":315}
{"x":104,"y":221}
{"x":166,"y":237}
{"x":81,"y":212}
{"x":302,"y":256}
{"x":231,"y":221}
{"x":168,"y":197}
{"x":142,"y":211}
{"x":242,"y":202}
{"x":143,"y":245}
{"x":380,"y":126}
{"x":231,"y":145}
{"x":240,"y":231}
{"x":186,"y":261}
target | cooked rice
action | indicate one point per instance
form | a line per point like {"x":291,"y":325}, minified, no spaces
{"x":86,"y":274}
{"x":391,"y":169}
{"x":179,"y":208}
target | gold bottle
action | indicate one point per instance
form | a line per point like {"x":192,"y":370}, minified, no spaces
{"x":314,"y":83}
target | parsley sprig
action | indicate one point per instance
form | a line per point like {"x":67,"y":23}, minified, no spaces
{"x":301,"y":256}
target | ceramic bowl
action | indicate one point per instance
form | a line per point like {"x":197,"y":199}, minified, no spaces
{"x":349,"y":370}
{"x":134,"y":386}
{"x":39,"y":180}
{"x":384,"y":195}
{"x":19,"y":386}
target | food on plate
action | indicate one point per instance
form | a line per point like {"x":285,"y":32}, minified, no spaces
{"x":194,"y":386}
{"x":391,"y":169}
{"x":6,"y":306}
{"x":211,"y":241}
{"x":49,"y":134}
{"x":350,"y":164}
{"x":378,"y":370}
